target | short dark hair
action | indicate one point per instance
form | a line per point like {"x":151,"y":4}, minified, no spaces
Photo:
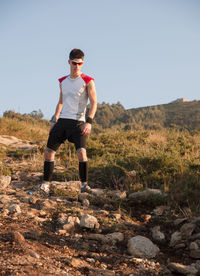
{"x":76,"y":53}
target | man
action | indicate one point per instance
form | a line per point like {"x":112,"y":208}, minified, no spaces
{"x":69,"y":122}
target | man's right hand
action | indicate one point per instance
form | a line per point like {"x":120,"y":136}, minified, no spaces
{"x":53,"y":124}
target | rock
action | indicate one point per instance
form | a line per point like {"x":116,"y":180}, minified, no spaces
{"x":101,"y":272}
{"x":5,"y":212}
{"x":68,"y":222}
{"x":183,"y":269}
{"x":117,"y":194}
{"x":76,"y":262}
{"x":109,"y":238}
{"x":61,"y":232}
{"x":5,"y":199}
{"x":24,"y":199}
{"x":33,"y":254}
{"x":5,"y":180}
{"x":194,"y":237}
{"x":197,"y":265}
{"x":187,"y":229}
{"x":86,"y":202}
{"x":116,"y":236}
{"x":44,"y":204}
{"x":98,"y":237}
{"x":83,"y":196}
{"x":19,"y":185}
{"x":62,"y":219}
{"x":32,"y":200}
{"x":70,"y":219}
{"x":140,"y":246}
{"x":116,"y":216}
{"x":89,"y":221}
{"x":90,"y":260}
{"x":179,"y":221}
{"x":69,"y":226}
{"x":195,"y":220}
{"x":180,"y":245}
{"x":18,"y":238}
{"x":42,"y":214}
{"x":193,"y":246}
{"x":38,"y":219}
{"x":132,"y":173}
{"x":158,"y":211}
{"x":14,"y":142}
{"x":157,"y":235}
{"x":101,"y":212}
{"x":14,"y":208}
{"x":145,"y":193}
{"x":195,"y":253}
{"x":33,"y":234}
{"x":74,"y":186}
{"x":97,"y":192}
{"x":176,"y":238}
{"x":198,"y":242}
{"x":30,"y":214}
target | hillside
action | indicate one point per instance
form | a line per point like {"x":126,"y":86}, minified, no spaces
{"x":177,"y":114}
{"x":141,"y":216}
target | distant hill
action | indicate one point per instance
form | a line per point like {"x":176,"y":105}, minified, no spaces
{"x":180,"y":114}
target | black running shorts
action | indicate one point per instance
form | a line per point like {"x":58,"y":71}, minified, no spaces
{"x":66,"y":129}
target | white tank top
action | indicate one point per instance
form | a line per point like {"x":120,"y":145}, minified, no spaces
{"x":75,"y":97}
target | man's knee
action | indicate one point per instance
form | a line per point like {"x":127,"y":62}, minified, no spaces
{"x":49,"y":154}
{"x":82,"y":154}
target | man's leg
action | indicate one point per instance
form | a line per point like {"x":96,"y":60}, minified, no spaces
{"x":48,"y":164}
{"x":48,"y":170}
{"x":54,"y":141}
{"x":83,"y":168}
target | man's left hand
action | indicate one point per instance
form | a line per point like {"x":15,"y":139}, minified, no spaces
{"x":86,"y":129}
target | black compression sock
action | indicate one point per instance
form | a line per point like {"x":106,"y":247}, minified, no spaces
{"x":48,"y":170}
{"x":83,"y":171}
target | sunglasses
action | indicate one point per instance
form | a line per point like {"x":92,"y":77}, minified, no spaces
{"x":77,"y":63}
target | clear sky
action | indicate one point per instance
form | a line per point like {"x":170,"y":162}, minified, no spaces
{"x":140,"y":52}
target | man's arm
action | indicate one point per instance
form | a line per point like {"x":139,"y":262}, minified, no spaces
{"x":59,"y":106}
{"x":93,"y":98}
{"x":93,"y":106}
{"x":58,"y":110}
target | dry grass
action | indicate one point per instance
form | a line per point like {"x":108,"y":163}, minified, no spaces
{"x":34,"y":131}
{"x":157,"y":139}
{"x":165,"y":159}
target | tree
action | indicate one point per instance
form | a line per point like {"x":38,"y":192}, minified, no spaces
{"x":37,"y":114}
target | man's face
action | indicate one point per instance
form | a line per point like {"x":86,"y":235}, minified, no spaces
{"x":76,"y":65}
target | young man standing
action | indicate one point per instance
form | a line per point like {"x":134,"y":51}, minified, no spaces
{"x":69,"y":122}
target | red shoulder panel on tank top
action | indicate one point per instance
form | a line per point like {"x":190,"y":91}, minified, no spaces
{"x":62,"y":79}
{"x":86,"y":78}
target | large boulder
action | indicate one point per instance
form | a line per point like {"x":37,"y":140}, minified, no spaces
{"x":142,"y":247}
{"x":88,"y":221}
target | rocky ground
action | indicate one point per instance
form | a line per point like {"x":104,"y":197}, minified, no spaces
{"x":97,"y":233}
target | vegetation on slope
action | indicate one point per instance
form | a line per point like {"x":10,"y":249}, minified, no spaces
{"x":181,"y":115}
{"x":167,"y":159}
